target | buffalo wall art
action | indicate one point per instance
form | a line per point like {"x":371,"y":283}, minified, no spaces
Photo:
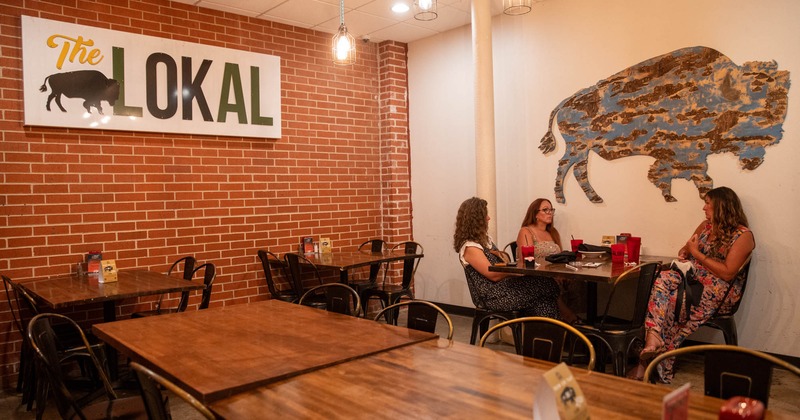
{"x":678,"y":108}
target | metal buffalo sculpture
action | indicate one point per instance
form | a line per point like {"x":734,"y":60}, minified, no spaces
{"x":678,"y":108}
{"x":91,"y":85}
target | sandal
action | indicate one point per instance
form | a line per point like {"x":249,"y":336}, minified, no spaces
{"x":651,"y":351}
{"x":637,"y":373}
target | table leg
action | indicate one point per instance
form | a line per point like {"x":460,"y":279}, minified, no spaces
{"x":110,"y":315}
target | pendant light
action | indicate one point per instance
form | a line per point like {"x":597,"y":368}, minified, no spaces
{"x":344,"y":45}
{"x":425,"y":10}
{"x":517,"y":7}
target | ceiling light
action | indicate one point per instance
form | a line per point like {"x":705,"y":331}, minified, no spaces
{"x":517,"y":7}
{"x":344,"y":45}
{"x":400,"y":8}
{"x":425,"y":9}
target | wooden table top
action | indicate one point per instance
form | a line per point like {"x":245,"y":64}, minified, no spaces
{"x":441,"y":379}
{"x":72,"y":289}
{"x":345,"y":260}
{"x":607,"y":272}
{"x":218,"y":352}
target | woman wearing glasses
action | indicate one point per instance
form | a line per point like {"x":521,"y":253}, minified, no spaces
{"x":538,"y":230}
{"x":489,"y":289}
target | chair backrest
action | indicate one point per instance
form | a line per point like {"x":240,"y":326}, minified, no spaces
{"x":339,"y":298}
{"x":541,"y":338}
{"x":373,"y":245}
{"x":294,"y":261}
{"x":185,"y":264}
{"x":410,"y":264}
{"x":44,"y":343}
{"x":268,"y":262}
{"x":422,"y":316}
{"x":155,"y":403}
{"x":511,"y":250}
{"x":209,"y":274}
{"x":14,"y":305}
{"x":742,"y":275}
{"x":731,"y":370}
{"x":642,"y":278}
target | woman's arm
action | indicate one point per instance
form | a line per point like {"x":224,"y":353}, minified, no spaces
{"x":524,"y":238}
{"x":737,"y":255}
{"x":683,"y":253}
{"x":475,"y":257}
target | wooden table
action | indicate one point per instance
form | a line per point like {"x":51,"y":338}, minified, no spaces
{"x":218,"y":352}
{"x":607,"y":272}
{"x":441,"y":379}
{"x":347,"y":260}
{"x":73,"y":290}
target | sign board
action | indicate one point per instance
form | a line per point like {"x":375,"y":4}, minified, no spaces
{"x":86,"y":77}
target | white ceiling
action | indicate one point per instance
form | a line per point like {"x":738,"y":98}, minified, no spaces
{"x":364,"y":18}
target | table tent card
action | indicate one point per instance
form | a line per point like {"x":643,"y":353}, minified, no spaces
{"x":108,"y":271}
{"x":560,"y":396}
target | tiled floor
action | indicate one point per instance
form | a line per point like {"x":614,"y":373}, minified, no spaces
{"x":784,"y":395}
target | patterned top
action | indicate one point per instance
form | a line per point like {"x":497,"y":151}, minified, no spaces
{"x":719,"y":254}
{"x":543,"y":248}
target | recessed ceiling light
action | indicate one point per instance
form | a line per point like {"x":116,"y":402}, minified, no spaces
{"x":400,"y":8}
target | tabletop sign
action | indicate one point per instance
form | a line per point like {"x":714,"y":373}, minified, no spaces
{"x":108,"y":271}
{"x":676,"y":404}
{"x":560,"y":396}
{"x":325,"y":245}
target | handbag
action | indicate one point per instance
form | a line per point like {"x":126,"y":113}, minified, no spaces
{"x":690,"y":291}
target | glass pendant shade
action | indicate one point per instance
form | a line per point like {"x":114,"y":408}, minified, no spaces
{"x":425,"y":10}
{"x":517,"y":7}
{"x":343,"y":44}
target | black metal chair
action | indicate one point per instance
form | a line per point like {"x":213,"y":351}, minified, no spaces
{"x":617,"y":334}
{"x":184,"y":265}
{"x":422,"y":316}
{"x":542,"y":338}
{"x":155,"y":402}
{"x":724,"y":321}
{"x":730,"y":370}
{"x":209,"y":271}
{"x":294,"y":262}
{"x":512,"y":247}
{"x":49,"y":366}
{"x":369,"y":280}
{"x":389,"y":293}
{"x":269,"y":261}
{"x":339,"y":298}
{"x":483,"y":316}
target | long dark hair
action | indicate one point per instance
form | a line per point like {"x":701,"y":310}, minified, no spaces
{"x":530,"y":219}
{"x":471,"y":223}
{"x":727,"y":215}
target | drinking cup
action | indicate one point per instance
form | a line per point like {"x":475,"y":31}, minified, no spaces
{"x":527,"y":253}
{"x":574,"y":244}
{"x":634,"y":245}
{"x":617,"y":253}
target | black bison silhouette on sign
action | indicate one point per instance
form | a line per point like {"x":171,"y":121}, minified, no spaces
{"x":679,"y":108}
{"x":91,"y":85}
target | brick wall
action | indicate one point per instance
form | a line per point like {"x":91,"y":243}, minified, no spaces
{"x":341,"y":169}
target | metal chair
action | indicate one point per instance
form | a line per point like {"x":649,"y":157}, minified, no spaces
{"x":511,"y":246}
{"x":268,"y":262}
{"x":155,"y":402}
{"x":339,"y":298}
{"x":483,"y":316}
{"x":370,"y":282}
{"x":422,"y":316}
{"x":617,"y":334}
{"x":294,"y":261}
{"x":725,"y":321}
{"x":389,"y":293}
{"x":184,"y":264}
{"x":730,"y":370}
{"x":541,"y":338}
{"x":49,"y":366}
{"x":209,"y":271}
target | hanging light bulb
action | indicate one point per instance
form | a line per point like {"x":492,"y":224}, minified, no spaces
{"x":425,"y":10}
{"x":344,"y":45}
{"x":517,"y":7}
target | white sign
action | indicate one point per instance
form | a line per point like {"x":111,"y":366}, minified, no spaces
{"x":85,"y":77}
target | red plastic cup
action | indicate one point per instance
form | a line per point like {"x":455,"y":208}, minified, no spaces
{"x":742,"y":408}
{"x":574,"y":244}
{"x":617,"y":253}
{"x":527,"y":253}
{"x":634,"y":245}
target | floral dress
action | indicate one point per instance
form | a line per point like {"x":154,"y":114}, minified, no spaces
{"x":661,"y":308}
{"x":535,"y":296}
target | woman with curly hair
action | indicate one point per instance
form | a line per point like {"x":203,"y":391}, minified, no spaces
{"x":717,"y":250}
{"x":492,"y":290}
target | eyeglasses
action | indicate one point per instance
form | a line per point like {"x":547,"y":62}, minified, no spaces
{"x":548,"y":211}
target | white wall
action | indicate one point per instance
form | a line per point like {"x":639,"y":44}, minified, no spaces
{"x":547,"y":55}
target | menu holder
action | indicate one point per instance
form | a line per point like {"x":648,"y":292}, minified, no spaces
{"x":307,"y":244}
{"x":325,"y":245}
{"x":676,"y":404}
{"x":560,"y":396}
{"x":93,"y":262}
{"x":108,"y":271}
{"x":608,"y":240}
